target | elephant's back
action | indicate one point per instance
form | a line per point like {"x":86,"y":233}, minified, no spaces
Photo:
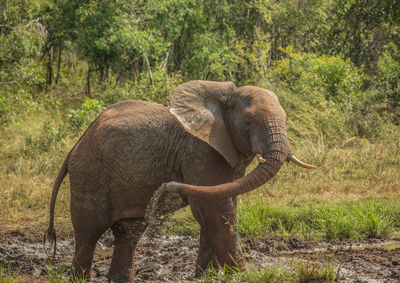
{"x":125,"y":128}
{"x":133,"y":113}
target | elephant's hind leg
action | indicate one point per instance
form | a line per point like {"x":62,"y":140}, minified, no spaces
{"x":127,"y":233}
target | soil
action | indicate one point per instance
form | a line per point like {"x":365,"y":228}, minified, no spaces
{"x":172,"y":258}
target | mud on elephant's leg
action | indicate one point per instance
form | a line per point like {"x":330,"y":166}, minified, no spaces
{"x":224,"y":241}
{"x":218,"y":223}
{"x":206,"y":256}
{"x":127,"y":233}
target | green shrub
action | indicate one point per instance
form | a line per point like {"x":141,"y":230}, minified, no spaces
{"x":85,"y":114}
{"x":312,"y":76}
{"x":113,"y":95}
{"x":388,"y":84}
{"x":162,"y":85}
{"x":19,"y":50}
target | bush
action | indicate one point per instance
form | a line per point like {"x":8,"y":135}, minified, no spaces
{"x":388,"y":84}
{"x":162,"y":85}
{"x":19,"y":49}
{"x":312,"y":76}
{"x":381,"y":104}
{"x":82,"y":116}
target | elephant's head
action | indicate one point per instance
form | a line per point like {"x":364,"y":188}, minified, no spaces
{"x":247,"y":119}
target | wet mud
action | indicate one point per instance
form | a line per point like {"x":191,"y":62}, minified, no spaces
{"x":172,"y":258}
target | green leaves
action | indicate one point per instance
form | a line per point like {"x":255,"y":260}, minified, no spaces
{"x":87,"y":112}
{"x":333,"y":78}
{"x":21,"y":41}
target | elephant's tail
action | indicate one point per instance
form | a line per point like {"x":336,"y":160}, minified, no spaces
{"x":50,"y":234}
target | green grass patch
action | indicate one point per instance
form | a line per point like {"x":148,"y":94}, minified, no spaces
{"x":350,"y":221}
{"x":353,"y":221}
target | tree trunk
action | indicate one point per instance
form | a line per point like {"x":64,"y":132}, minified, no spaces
{"x":49,"y":68}
{"x":149,"y":69}
{"x":88,"y":82}
{"x":58,"y":66}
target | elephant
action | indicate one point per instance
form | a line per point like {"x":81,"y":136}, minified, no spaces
{"x":197,"y":146}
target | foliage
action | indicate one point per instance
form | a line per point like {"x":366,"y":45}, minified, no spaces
{"x":388,"y":82}
{"x":21,"y":40}
{"x":85,"y":114}
{"x":309,"y":75}
{"x":308,"y":271}
{"x":312,"y":46}
{"x":361,"y":29}
{"x":350,"y":221}
{"x":59,"y":275}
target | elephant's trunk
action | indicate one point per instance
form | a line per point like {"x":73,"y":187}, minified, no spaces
{"x":275,"y":156}
{"x":254,"y":179}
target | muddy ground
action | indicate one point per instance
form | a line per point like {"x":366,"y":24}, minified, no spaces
{"x":171,"y":258}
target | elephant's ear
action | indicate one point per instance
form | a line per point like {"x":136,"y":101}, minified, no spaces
{"x":199,"y":106}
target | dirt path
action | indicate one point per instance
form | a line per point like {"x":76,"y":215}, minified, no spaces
{"x":171,"y":258}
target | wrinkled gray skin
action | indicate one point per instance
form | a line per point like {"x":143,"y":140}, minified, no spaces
{"x":201,"y":143}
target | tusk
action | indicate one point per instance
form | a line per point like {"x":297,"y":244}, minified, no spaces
{"x":260,"y":158}
{"x":301,"y":163}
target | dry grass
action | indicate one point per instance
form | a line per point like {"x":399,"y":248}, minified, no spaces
{"x":357,"y":170}
{"x":28,"y":171}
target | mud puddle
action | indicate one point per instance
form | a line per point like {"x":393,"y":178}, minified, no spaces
{"x":172,"y":258}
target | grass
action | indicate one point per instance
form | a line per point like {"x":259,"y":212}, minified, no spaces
{"x":30,"y":161}
{"x":351,"y":221}
{"x":340,"y":221}
{"x":296,"y":272}
{"x":59,"y":276}
{"x":7,"y":275}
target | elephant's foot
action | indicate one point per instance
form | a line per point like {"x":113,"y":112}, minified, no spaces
{"x":127,"y":233}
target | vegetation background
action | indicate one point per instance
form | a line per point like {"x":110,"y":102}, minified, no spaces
{"x":334,"y":64}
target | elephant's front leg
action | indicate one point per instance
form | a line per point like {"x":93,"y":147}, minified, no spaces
{"x":218,"y":223}
{"x":127,"y":233}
